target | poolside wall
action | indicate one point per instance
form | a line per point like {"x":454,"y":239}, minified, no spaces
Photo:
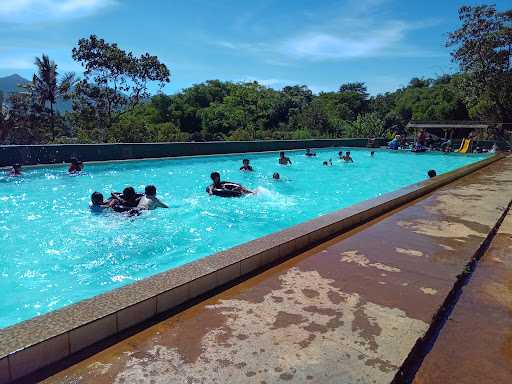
{"x":61,"y":153}
{"x":58,"y":153}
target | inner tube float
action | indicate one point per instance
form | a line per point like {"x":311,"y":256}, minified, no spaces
{"x":227,"y":190}
{"x":122,"y":202}
{"x":121,"y":208}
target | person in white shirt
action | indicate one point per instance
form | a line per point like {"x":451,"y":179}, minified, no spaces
{"x":149,"y":201}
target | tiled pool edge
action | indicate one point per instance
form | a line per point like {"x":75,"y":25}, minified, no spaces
{"x":35,"y":343}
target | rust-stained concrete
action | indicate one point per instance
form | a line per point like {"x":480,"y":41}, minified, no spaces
{"x":348,"y":311}
{"x":475,"y":346}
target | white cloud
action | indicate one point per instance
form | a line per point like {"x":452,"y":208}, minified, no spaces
{"x":30,"y":11}
{"x":360,"y":30}
{"x":356,"y":39}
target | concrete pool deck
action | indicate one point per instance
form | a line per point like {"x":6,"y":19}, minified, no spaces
{"x":476,"y":343}
{"x":349,"y":310}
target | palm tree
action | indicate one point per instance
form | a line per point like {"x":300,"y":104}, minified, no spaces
{"x":46,"y":86}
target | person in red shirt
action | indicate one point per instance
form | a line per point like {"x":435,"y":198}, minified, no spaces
{"x":76,"y":166}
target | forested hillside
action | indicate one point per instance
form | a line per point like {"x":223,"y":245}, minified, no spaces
{"x":111,"y":101}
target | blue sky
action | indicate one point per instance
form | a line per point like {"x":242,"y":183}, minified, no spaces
{"x":321,"y":43}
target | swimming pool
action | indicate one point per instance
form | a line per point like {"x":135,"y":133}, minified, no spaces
{"x":56,"y":252}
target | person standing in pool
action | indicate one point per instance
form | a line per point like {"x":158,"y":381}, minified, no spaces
{"x":276,"y":176}
{"x":76,"y":166}
{"x":15,"y":171}
{"x":309,"y":153}
{"x":283,"y":160}
{"x":347,"y":158}
{"x":149,"y":201}
{"x":245,"y":166}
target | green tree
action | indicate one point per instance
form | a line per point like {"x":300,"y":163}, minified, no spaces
{"x":312,"y":119}
{"x":483,"y":47}
{"x":437,"y":101}
{"x":26,"y":121}
{"x":355,"y":96}
{"x":115,"y":81}
{"x":4,"y":126}
{"x":46,"y":86}
{"x":367,"y":125}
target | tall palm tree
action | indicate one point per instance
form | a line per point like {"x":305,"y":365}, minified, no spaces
{"x":47,"y":87}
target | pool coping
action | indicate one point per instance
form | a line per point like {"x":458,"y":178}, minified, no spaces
{"x":38,"y":342}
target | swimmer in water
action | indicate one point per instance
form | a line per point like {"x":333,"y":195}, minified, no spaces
{"x":16,"y":170}
{"x":309,"y":153}
{"x":129,"y":198}
{"x":347,"y":158}
{"x":432,"y":173}
{"x":276,"y":176}
{"x":245,"y":166}
{"x":340,"y":155}
{"x":372,"y":153}
{"x":76,"y":166}
{"x":225,"y":188}
{"x":328,"y":163}
{"x":283,"y":160}
{"x":97,"y":203}
{"x":149,"y":201}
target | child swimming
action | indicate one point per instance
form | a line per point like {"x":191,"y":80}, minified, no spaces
{"x":76,"y":166}
{"x":129,"y":198}
{"x":97,"y":204}
{"x":283,"y":160}
{"x":225,"y":188}
{"x":347,"y":158}
{"x":15,"y":171}
{"x":245,"y":166}
{"x":149,"y":201}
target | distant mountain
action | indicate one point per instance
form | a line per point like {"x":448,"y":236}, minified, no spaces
{"x":10,"y":84}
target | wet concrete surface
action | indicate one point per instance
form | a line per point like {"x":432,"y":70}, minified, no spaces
{"x":347,"y":311}
{"x":475,"y":346}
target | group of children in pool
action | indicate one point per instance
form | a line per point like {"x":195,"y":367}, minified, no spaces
{"x":128,"y":201}
{"x":230,"y":189}
{"x":345,"y":157}
{"x":132,"y":203}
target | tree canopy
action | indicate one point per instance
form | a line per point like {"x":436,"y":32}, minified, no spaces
{"x":482,"y":47}
{"x":112,"y":102}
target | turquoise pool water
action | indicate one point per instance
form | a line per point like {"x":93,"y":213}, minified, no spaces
{"x":56,"y":252}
